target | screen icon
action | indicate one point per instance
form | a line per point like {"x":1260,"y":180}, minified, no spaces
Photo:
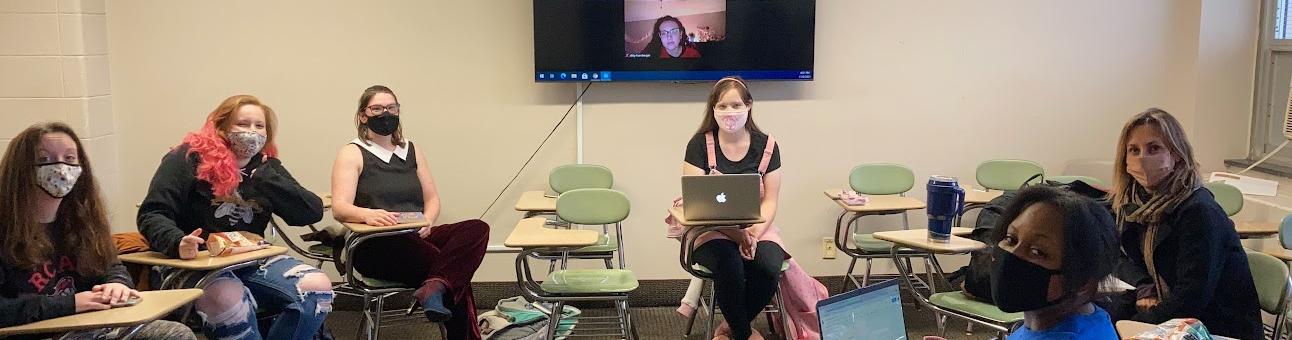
{"x":585,"y":76}
{"x":562,"y":75}
{"x":595,"y":75}
{"x":542,"y":76}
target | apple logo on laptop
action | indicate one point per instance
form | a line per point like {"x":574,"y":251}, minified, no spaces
{"x":721,"y":198}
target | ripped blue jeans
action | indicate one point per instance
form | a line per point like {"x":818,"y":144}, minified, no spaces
{"x":271,"y":287}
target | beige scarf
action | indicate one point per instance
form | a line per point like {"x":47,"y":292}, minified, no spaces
{"x":1150,"y":211}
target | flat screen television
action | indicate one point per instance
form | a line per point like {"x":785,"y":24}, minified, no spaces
{"x":673,"y":40}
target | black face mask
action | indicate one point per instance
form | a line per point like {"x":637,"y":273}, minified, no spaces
{"x":384,"y":124}
{"x":1018,"y":285}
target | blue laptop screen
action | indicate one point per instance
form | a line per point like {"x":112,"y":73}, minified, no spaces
{"x":874,"y":312}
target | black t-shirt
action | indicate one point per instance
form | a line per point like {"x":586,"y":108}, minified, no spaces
{"x":697,"y":155}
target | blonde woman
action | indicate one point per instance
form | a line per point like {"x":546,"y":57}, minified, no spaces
{"x":1184,"y":254}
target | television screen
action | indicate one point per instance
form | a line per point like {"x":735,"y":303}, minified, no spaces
{"x":673,"y":40}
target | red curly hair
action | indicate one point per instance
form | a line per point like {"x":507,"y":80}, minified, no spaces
{"x":216,"y":162}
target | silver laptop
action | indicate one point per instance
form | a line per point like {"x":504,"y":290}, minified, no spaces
{"x":873,"y":312}
{"x":721,"y":197}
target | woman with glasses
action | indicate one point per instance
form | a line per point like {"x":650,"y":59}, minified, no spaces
{"x":381,"y":179}
{"x":669,"y":40}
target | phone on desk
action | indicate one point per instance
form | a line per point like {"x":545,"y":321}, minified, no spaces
{"x":134,"y":300}
{"x":411,"y":217}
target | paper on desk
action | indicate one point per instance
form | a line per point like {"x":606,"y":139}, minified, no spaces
{"x":1247,"y":184}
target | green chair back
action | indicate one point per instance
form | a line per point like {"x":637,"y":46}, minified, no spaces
{"x":1007,"y":174}
{"x":1271,"y":277}
{"x":1227,"y":196}
{"x":579,"y":176}
{"x":1069,"y":179}
{"x":1284,"y":229}
{"x":881,"y":179}
{"x":592,"y":206}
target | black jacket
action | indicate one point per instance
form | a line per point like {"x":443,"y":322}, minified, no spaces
{"x":177,"y":202}
{"x":1198,"y":255}
{"x":28,"y":296}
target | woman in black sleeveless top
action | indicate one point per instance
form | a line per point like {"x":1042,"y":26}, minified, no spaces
{"x":380,"y":175}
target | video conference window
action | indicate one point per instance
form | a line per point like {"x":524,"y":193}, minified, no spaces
{"x":672,"y":29}
{"x":664,"y":40}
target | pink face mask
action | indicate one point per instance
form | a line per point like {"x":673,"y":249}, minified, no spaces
{"x":1150,"y":170}
{"x":730,"y":121}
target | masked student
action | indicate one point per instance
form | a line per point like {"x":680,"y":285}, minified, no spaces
{"x":1183,"y":254}
{"x":57,"y":257}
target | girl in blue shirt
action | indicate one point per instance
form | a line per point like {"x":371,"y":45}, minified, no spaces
{"x":1053,"y":248}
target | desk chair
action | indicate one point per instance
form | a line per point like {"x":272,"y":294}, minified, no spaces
{"x":583,"y":176}
{"x":875,"y":179}
{"x":373,"y":291}
{"x":586,"y":207}
{"x":775,"y":307}
{"x":1272,"y":285}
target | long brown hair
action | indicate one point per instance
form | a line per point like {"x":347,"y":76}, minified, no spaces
{"x":81,"y":220}
{"x":721,"y":87}
{"x":398,"y":137}
{"x":1173,"y":189}
{"x":657,"y":43}
{"x":217,"y":163}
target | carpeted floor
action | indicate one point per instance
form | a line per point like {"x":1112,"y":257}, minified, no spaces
{"x":652,"y":311}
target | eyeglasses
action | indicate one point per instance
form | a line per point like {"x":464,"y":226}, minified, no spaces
{"x":671,"y":32}
{"x":378,"y":109}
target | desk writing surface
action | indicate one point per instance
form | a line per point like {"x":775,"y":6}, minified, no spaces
{"x":877,"y":203}
{"x":678,"y":215}
{"x":360,"y":228}
{"x":533,"y":233}
{"x":535,"y":201}
{"x":1248,"y":229}
{"x":919,"y":239}
{"x":203,"y":261}
{"x":973,"y":196}
{"x":152,"y":305}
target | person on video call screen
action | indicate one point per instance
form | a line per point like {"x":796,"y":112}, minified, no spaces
{"x":670,"y":40}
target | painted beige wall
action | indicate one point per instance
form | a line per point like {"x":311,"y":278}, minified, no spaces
{"x":54,"y":67}
{"x":938,"y":86}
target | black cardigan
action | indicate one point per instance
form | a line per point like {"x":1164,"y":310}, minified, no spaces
{"x":1198,"y":255}
{"x":177,"y":202}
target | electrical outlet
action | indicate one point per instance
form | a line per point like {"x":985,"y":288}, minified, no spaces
{"x":827,"y":248}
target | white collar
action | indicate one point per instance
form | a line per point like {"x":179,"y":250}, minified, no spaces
{"x":400,"y":150}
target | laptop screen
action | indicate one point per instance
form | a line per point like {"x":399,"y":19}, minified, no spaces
{"x":874,"y":312}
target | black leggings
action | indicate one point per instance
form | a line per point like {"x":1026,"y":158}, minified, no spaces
{"x":741,"y":287}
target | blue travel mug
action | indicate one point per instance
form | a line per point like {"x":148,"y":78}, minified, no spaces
{"x":946,"y":202}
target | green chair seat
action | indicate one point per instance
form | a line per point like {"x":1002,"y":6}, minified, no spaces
{"x":604,"y":244}
{"x":959,"y":302}
{"x":701,"y":268}
{"x":868,"y":243}
{"x":376,"y":283}
{"x":590,"y":281}
{"x":320,"y":249}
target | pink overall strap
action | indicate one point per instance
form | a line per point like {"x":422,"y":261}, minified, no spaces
{"x":767,"y":155}
{"x":713,"y":155}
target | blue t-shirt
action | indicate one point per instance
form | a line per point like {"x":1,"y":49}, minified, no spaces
{"x":1096,"y":325}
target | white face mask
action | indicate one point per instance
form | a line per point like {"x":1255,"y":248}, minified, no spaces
{"x":57,"y":179}
{"x":1148,"y":171}
{"x":730,"y":121}
{"x":246,"y":143}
